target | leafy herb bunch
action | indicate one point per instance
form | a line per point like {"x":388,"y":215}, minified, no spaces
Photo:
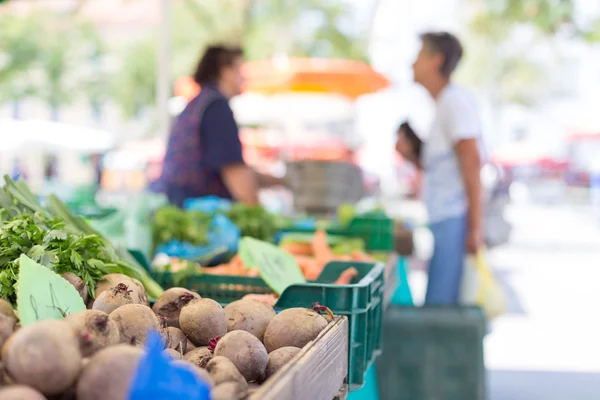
{"x":47,"y":241}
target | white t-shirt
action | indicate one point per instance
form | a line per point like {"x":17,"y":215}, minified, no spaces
{"x":456,"y":118}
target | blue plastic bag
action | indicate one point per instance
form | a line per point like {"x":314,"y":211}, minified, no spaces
{"x":208,"y":204}
{"x":223,"y":238}
{"x":158,"y":377}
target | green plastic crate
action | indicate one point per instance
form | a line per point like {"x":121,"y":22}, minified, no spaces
{"x":432,"y":353}
{"x":361,"y":302}
{"x":376,"y":230}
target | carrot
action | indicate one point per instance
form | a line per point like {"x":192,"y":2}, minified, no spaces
{"x":346,"y":276}
{"x":358,"y":255}
{"x":321,"y":249}
{"x":298,"y":249}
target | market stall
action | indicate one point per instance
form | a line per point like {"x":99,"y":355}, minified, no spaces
{"x":78,"y":296}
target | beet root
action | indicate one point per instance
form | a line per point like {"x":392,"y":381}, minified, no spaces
{"x":109,"y":373}
{"x":246,"y":352}
{"x":279,"y":358}
{"x":228,"y":391}
{"x":202,"y":320}
{"x":189,"y":346}
{"x":44,"y":355}
{"x":174,"y":354}
{"x":78,"y":284}
{"x":95,"y":330}
{"x":113,"y":298}
{"x":134,"y":322}
{"x":294,"y":327}
{"x":170,"y":303}
{"x":250,"y":316}
{"x":176,"y":339}
{"x":7,"y":327}
{"x":6,"y":309}
{"x":20,"y":392}
{"x":199,"y":356}
{"x":138,"y":293}
{"x":222,"y":369}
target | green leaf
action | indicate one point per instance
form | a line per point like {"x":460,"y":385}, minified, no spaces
{"x":278,"y":268}
{"x":56,"y":234}
{"x":76,"y":259}
{"x":36,"y":252}
{"x":43,"y":294}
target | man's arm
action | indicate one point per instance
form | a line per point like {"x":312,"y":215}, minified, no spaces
{"x":241,"y":182}
{"x":467,"y":152}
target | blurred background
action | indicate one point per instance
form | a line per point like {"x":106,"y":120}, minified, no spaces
{"x":88,"y":90}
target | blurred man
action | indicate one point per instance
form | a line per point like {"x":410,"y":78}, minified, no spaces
{"x":451,"y":164}
{"x":204,"y":152}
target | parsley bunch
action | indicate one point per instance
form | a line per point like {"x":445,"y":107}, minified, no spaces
{"x":57,"y":239}
{"x":46,"y":241}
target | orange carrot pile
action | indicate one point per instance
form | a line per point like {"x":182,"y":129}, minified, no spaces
{"x":311,"y":258}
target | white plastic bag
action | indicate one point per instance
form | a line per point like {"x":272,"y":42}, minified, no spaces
{"x":480,"y":287}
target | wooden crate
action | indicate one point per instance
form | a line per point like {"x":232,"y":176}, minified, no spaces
{"x":316,"y":373}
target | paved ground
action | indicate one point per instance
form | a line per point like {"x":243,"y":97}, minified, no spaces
{"x":548,"y":346}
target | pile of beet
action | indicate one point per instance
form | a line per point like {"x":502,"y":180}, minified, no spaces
{"x":94,"y":354}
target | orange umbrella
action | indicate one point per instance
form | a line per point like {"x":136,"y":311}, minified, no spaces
{"x":345,"y":77}
{"x":314,"y":75}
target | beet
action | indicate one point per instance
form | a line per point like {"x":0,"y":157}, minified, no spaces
{"x":228,"y":391}
{"x":7,"y":327}
{"x":138,"y":293}
{"x":95,"y":330}
{"x":246,"y":352}
{"x":174,"y":354}
{"x":202,"y":320}
{"x":294,"y":327}
{"x":222,"y":369}
{"x":113,"y":298}
{"x":199,"y":356}
{"x":170,"y":303}
{"x":279,"y":358}
{"x":20,"y":392}
{"x":250,"y":316}
{"x":6,"y":309}
{"x":134,"y":322}
{"x":78,"y":284}
{"x":109,"y":373}
{"x":44,"y":355}
{"x":176,"y":339}
{"x":189,"y":346}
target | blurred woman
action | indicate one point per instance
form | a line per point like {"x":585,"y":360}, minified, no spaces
{"x":204,"y":152}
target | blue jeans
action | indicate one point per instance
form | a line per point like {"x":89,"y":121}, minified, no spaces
{"x":446,"y":265}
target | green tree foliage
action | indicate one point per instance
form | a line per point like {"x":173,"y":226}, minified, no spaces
{"x":509,"y":73}
{"x":19,"y":51}
{"x":262,"y":27}
{"x":45,"y":55}
{"x":55,"y":56}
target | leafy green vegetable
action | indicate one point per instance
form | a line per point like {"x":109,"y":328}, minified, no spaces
{"x":172,"y":223}
{"x":255,"y":221}
{"x":192,"y":226}
{"x":45,"y":241}
{"x":59,"y":240}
